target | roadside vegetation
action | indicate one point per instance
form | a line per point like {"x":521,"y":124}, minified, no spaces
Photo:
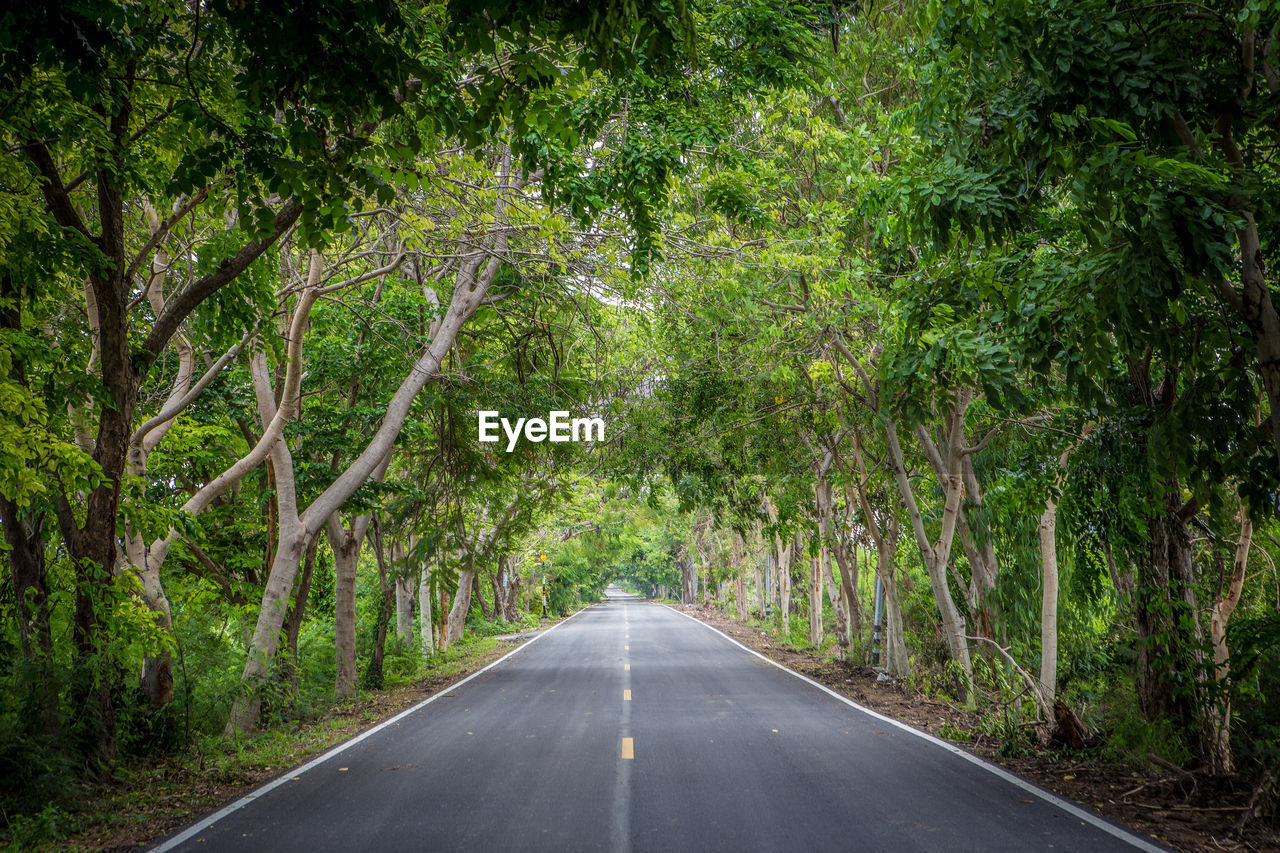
{"x":935,"y":339}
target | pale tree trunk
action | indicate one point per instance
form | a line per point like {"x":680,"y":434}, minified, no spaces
{"x":442,"y":635}
{"x":404,"y":602}
{"x":1253,"y":300}
{"x":511,"y":597}
{"x":786,"y":558}
{"x":498,"y":584}
{"x":978,"y":547}
{"x":472,"y":286}
{"x":290,"y":545}
{"x":781,"y":566}
{"x":146,"y":562}
{"x":782,"y":570}
{"x":815,"y":599}
{"x":1049,"y":594}
{"x":157,"y":670}
{"x":758,"y":568}
{"x":478,"y":547}
{"x":936,"y":555}
{"x":843,"y":576}
{"x":461,"y":604}
{"x":1049,"y":603}
{"x":740,"y":578}
{"x":298,"y":610}
{"x":425,"y":626}
{"x":1218,"y":730}
{"x":986,"y":571}
{"x":702,"y":580}
{"x":477,"y":595}
{"x":884,"y":535}
{"x":346,"y":547}
{"x":838,"y":604}
{"x":478,"y":268}
{"x":769,"y":592}
{"x":896,"y":661}
{"x":346,"y":543}
{"x":685,"y":562}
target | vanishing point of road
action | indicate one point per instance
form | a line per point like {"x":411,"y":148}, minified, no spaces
{"x":631,"y":727}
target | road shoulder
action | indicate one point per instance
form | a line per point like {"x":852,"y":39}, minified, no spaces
{"x":1173,"y":808}
{"x":149,"y":800}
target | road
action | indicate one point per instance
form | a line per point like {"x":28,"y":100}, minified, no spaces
{"x":632,"y":727}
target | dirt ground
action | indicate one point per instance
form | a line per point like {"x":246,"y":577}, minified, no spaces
{"x":1185,"y":811}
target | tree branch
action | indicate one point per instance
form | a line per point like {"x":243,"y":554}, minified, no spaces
{"x":55,"y":194}
{"x":161,"y":231}
{"x":190,"y":298}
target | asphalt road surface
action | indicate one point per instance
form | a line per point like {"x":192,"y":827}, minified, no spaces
{"x":632,"y":727}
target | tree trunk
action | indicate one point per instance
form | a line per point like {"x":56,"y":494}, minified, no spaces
{"x":1253,"y":300}
{"x":1165,"y":605}
{"x":445,"y":617}
{"x":1048,"y":604}
{"x":843,"y":571}
{"x":477,"y":595}
{"x":937,"y":555}
{"x":346,"y":559}
{"x":838,"y":603}
{"x":404,"y":601}
{"x":687,"y":590}
{"x":461,"y":604}
{"x":815,"y":600}
{"x":346,"y":543}
{"x":785,"y":554}
{"x":297,"y":612}
{"x":986,"y":567}
{"x":896,"y":661}
{"x":496,"y":586}
{"x":27,"y":574}
{"x":758,"y":570}
{"x":474,"y":278}
{"x":1049,"y":593}
{"x":740,"y":579}
{"x":511,"y":610}
{"x":375,"y":677}
{"x":425,"y":620}
{"x":1217,"y":729}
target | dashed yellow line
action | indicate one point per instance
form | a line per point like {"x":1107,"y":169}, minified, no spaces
{"x":628,"y":748}
{"x":626,"y":666}
{"x":626,"y":695}
{"x":626,"y":648}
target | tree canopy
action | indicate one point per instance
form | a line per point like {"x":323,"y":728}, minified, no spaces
{"x":937,"y":337}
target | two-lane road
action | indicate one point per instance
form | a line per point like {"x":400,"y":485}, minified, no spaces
{"x":633,"y":727}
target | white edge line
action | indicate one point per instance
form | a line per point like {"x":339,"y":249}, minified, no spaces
{"x":290,"y":775}
{"x":1066,"y":806}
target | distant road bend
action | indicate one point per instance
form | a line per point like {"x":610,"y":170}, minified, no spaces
{"x":633,"y":727}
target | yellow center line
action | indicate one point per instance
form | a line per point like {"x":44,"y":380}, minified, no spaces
{"x":626,"y":696}
{"x":628,"y":748}
{"x":626,"y":648}
{"x":626,"y":666}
